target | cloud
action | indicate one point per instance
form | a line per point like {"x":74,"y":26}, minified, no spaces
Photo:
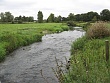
{"x":58,"y":7}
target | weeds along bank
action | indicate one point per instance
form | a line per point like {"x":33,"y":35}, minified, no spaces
{"x":88,"y":63}
{"x":12,"y":36}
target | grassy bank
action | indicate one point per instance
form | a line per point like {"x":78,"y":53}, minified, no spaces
{"x":88,"y":62}
{"x":12,"y":36}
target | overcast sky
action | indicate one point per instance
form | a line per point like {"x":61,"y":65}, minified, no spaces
{"x":57,"y":7}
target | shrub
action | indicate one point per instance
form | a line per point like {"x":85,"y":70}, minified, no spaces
{"x":71,"y":23}
{"x":98,"y":30}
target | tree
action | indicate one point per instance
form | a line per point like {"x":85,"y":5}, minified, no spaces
{"x":30,"y":19}
{"x":64,"y":19}
{"x":6,"y":17}
{"x":21,"y":19}
{"x":105,"y":15}
{"x":51,"y":18}
{"x":91,"y":15}
{"x":2,"y":17}
{"x":24,"y":19}
{"x":40,"y":17}
{"x":71,"y":17}
{"x":77,"y":17}
{"x":58,"y":19}
{"x":87,"y":16}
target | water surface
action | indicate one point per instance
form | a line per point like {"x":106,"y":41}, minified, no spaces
{"x":24,"y":64}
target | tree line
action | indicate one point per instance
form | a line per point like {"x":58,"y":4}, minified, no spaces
{"x":8,"y":17}
{"x":85,"y":17}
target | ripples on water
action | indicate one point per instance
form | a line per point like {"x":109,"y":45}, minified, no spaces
{"x":25,"y":63}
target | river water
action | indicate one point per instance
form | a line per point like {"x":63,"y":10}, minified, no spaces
{"x":25,"y":64}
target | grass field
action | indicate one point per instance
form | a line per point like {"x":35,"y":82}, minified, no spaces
{"x":12,"y":36}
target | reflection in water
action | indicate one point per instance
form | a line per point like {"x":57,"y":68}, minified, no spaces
{"x":26,"y":63}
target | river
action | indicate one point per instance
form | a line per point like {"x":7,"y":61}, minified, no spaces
{"x":24,"y":64}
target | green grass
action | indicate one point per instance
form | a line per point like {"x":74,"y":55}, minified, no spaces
{"x":12,"y":36}
{"x":108,"y":25}
{"x":88,"y":62}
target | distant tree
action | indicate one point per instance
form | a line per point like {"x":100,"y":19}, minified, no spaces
{"x":105,"y":15}
{"x":87,"y":16}
{"x":2,"y":17}
{"x":21,"y":19}
{"x":16,"y":19}
{"x":30,"y":19}
{"x":77,"y":17}
{"x":6,"y":17}
{"x":40,"y":17}
{"x":58,"y":19}
{"x":24,"y":19}
{"x":64,"y":19}
{"x":71,"y":17}
{"x":51,"y":18}
{"x":91,"y":15}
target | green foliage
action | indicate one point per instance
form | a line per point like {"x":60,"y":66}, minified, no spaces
{"x":58,"y":19}
{"x":65,"y":28}
{"x":98,"y":30}
{"x":50,"y":19}
{"x":87,"y":17}
{"x":78,"y":44}
{"x":12,"y":36}
{"x":6,"y":17}
{"x":23,"y":19}
{"x":2,"y":53}
{"x":71,"y":23}
{"x":71,"y":17}
{"x":105,"y":15}
{"x":88,"y":64}
{"x":84,"y":25}
{"x":40,"y":17}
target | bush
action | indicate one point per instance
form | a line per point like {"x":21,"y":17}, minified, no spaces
{"x":71,"y":23}
{"x":98,"y":30}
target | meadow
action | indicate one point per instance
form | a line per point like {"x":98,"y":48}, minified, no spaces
{"x":13,"y":36}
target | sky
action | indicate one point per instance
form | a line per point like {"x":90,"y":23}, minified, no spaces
{"x":57,"y":7}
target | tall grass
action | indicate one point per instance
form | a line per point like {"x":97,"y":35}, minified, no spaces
{"x":12,"y":36}
{"x":88,"y":63}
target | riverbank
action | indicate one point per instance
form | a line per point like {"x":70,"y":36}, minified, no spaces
{"x":13,"y":36}
{"x":88,"y":61}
